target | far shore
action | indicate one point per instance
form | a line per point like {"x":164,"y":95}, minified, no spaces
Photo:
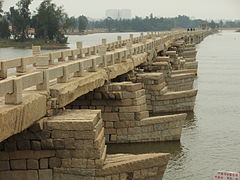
{"x":47,"y":45}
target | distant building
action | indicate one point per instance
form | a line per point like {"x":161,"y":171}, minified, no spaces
{"x":119,"y":13}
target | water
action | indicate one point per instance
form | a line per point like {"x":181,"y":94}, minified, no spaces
{"x":88,"y":40}
{"x":211,"y":137}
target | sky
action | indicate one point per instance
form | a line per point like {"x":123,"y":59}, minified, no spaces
{"x":204,"y":9}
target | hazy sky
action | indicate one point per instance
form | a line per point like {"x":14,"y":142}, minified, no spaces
{"x":205,"y":9}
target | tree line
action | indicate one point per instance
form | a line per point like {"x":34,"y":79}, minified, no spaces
{"x":151,"y":23}
{"x":49,"y":22}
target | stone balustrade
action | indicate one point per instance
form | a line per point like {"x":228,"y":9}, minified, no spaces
{"x":82,"y":59}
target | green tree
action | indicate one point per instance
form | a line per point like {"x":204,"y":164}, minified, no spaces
{"x":69,"y":24}
{"x":212,"y":24}
{"x":4,"y":28}
{"x":49,"y":22}
{"x":221,"y":24}
{"x":20,"y":19}
{"x":82,"y":23}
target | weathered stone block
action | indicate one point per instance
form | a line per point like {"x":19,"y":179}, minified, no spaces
{"x":4,"y":156}
{"x":45,"y":174}
{"x":36,"y":145}
{"x":10,"y":146}
{"x":23,"y":145}
{"x":4,"y":165}
{"x":58,"y":144}
{"x":47,"y":144}
{"x":69,"y":143}
{"x":55,"y":162}
{"x":18,"y":164}
{"x":32,"y":164}
{"x":126,"y":116}
{"x":43,"y":163}
{"x":19,"y":175}
{"x":31,"y":154}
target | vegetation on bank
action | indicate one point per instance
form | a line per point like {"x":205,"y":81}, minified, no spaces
{"x":49,"y":24}
{"x":238,"y":30}
{"x":46,"y":26}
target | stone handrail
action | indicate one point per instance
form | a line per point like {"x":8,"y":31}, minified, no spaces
{"x":76,"y":62}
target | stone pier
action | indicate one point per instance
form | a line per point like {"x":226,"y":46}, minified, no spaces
{"x":72,"y":146}
{"x":126,"y":117}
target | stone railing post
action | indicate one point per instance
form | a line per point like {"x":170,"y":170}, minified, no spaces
{"x":129,"y":48}
{"x":104,"y":42}
{"x":80,"y":46}
{"x":131,"y":38}
{"x":102,"y":53}
{"x":119,"y":38}
{"x":23,"y":67}
{"x":113,"y":59}
{"x":3,"y":71}
{"x":36,"y":51}
{"x":141,"y":37}
{"x":65,"y":76}
{"x":16,"y":96}
{"x":94,"y":65}
{"x":80,"y":73}
{"x":148,"y":35}
{"x":45,"y":85}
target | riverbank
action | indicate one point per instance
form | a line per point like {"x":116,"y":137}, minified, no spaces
{"x":47,"y":45}
{"x":238,"y":30}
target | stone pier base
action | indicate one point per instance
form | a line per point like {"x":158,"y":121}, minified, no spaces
{"x":71,"y":146}
{"x":125,"y":113}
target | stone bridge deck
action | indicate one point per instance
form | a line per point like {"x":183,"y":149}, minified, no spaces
{"x":56,"y":79}
{"x":111,"y":93}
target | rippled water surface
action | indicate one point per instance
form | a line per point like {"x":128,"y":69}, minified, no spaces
{"x":211,"y":136}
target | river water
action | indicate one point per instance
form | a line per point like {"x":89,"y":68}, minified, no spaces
{"x":211,"y":136}
{"x":88,"y":40}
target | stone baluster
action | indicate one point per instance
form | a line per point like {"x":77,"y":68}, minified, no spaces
{"x":102,"y":53}
{"x":131,"y":38}
{"x":129,"y":48}
{"x":94,"y":65}
{"x":113,"y":58}
{"x":80,"y":73}
{"x":80,"y":46}
{"x":141,"y":37}
{"x":104,"y":42}
{"x":119,"y":41}
{"x":16,"y":96}
{"x":45,"y":84}
{"x":3,"y":71}
{"x":36,"y":51}
{"x":65,"y":76}
{"x":23,"y":67}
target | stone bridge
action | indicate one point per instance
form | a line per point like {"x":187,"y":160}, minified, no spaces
{"x":58,"y":110}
